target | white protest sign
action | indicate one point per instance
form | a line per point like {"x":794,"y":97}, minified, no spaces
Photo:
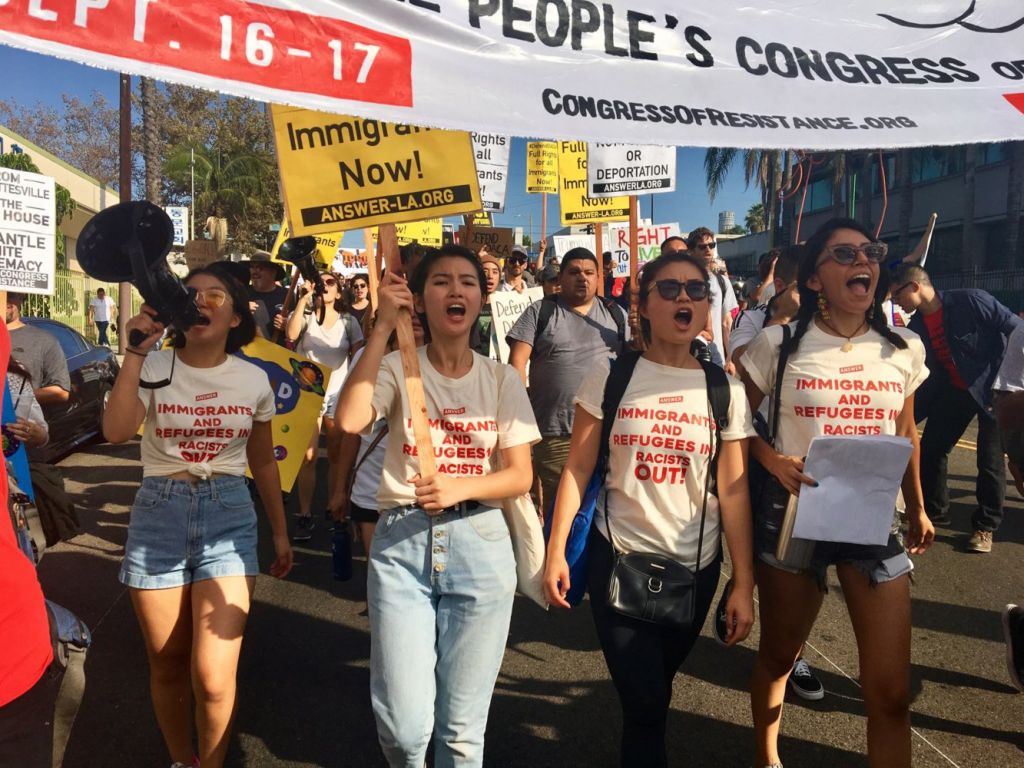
{"x":179,"y":218}
{"x":649,"y":240}
{"x":565,"y":243}
{"x":618,"y":169}
{"x":28,"y":226}
{"x":506,"y":307}
{"x":491,"y":151}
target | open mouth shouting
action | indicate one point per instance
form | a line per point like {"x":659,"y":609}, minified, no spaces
{"x":684,"y":317}
{"x":860,"y":284}
{"x":456,"y":310}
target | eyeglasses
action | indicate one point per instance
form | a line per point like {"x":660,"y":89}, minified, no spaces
{"x":669,"y":289}
{"x":846,"y":254}
{"x":707,"y":246}
{"x":900,"y":289}
{"x":163,"y":382}
{"x":359,"y":286}
{"x":517,"y":259}
{"x":211,"y":297}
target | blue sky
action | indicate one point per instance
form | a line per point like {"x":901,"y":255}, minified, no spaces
{"x":29,"y":78}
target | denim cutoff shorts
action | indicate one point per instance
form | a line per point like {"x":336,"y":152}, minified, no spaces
{"x":182,"y":532}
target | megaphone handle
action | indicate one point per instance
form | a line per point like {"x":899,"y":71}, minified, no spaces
{"x":136,"y":338}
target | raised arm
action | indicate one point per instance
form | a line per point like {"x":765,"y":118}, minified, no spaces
{"x":124,"y":412}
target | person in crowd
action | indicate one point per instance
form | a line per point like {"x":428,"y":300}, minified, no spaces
{"x":965,"y":333}
{"x":1008,"y":393}
{"x":723,"y":301}
{"x":762,"y":289}
{"x":30,"y":674}
{"x":266,"y":295}
{"x":561,"y":336}
{"x":410,"y":255}
{"x":480,"y":340}
{"x":516,"y":277}
{"x":30,"y":426}
{"x":673,"y":244}
{"x":330,"y":343}
{"x":39,"y":353}
{"x":190,"y":559}
{"x":642,"y":513}
{"x":840,"y":333}
{"x":780,"y":309}
{"x":102,"y":312}
{"x":359,"y":297}
{"x":442,"y":574}
{"x":547,"y":279}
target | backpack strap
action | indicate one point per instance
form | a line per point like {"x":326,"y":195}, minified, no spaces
{"x":547,"y":309}
{"x":619,"y":317}
{"x":780,"y":370}
{"x":619,"y":374}
{"x":719,"y":397}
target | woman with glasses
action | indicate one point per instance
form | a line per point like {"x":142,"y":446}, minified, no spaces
{"x":840,"y":336}
{"x":326,"y":333}
{"x":659,"y":499}
{"x":190,"y":559}
{"x":359,"y":293}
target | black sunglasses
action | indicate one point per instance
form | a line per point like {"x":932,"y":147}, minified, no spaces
{"x":517,"y":259}
{"x":847,"y":254}
{"x":669,"y":289}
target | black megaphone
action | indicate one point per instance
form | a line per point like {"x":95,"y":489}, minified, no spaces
{"x":129,"y":242}
{"x":299,"y":251}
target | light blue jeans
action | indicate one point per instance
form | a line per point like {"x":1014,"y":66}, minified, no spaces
{"x":440,"y":593}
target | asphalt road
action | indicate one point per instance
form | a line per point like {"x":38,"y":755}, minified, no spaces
{"x":304,"y":676}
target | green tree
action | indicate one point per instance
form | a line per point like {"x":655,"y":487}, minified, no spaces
{"x":739,"y":229}
{"x":762,"y":168}
{"x":755,"y":218}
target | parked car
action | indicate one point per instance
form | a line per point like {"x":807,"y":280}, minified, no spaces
{"x":93,"y":370}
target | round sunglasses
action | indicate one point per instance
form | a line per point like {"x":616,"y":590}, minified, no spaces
{"x":669,"y":289}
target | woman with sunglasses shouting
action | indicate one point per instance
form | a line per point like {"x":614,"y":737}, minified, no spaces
{"x":190,"y":559}
{"x":359,"y":297}
{"x":840,"y":344}
{"x":661,"y":503}
{"x":330,"y":341}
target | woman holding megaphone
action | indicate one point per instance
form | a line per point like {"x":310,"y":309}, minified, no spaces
{"x":190,"y":558}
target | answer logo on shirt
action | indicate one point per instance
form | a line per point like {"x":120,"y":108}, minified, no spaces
{"x":454,"y":411}
{"x":207,"y":396}
{"x":670,"y":399}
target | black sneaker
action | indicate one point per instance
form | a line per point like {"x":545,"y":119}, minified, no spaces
{"x":805,"y":683}
{"x":1013,"y":632}
{"x":721,"y":627}
{"x":304,"y":525}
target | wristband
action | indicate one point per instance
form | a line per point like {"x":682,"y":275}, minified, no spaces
{"x":136,"y":352}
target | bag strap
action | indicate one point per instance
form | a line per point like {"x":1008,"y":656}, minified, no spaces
{"x":369,"y":449}
{"x":780,"y":370}
{"x":618,"y":316}
{"x":547,"y":309}
{"x":619,"y":374}
{"x":719,"y":397}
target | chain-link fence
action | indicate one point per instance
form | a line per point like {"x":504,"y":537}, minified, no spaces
{"x":69,"y":303}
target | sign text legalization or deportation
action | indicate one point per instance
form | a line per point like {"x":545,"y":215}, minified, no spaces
{"x":28,"y":213}
{"x":629,"y":169}
{"x":577,"y":207}
{"x":340,"y":172}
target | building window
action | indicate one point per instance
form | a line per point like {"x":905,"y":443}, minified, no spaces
{"x":989,"y":154}
{"x":890,"y":175}
{"x":931,"y":163}
{"x":819,"y":195}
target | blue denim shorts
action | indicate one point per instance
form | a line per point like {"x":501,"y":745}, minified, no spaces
{"x":182,"y":532}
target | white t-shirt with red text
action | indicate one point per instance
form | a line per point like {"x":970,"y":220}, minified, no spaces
{"x":826,"y":391}
{"x":469,"y":419}
{"x":201,"y":421}
{"x":659,"y":452}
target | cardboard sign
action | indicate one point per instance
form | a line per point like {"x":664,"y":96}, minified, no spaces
{"x":179,"y":218}
{"x":491,"y":151}
{"x":28,"y":226}
{"x":201,"y":253}
{"x":427,"y":232}
{"x":542,"y":167}
{"x":649,"y":240}
{"x":617,"y":169}
{"x":340,"y":172}
{"x":565,"y":243}
{"x":506,"y":307}
{"x":498,"y":239}
{"x":299,"y":385}
{"x":326,"y":247}
{"x":577,"y":207}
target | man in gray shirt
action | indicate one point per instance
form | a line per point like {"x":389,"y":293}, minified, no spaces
{"x":561,"y":336}
{"x":40,"y":354}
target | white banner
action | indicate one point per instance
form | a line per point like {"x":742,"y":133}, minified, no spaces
{"x":491,"y":151}
{"x":649,"y":240}
{"x":179,"y":218}
{"x":28,"y":227}
{"x":818,"y":74}
{"x":629,"y":169}
{"x":506,"y":307}
{"x":565,"y":243}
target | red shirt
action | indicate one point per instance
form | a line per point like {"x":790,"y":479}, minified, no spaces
{"x":937,"y":338}
{"x":25,"y":650}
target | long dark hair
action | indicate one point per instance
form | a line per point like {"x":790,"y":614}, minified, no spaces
{"x":650,"y":273}
{"x":341,"y":304}
{"x":245,"y":331}
{"x":813,"y":249}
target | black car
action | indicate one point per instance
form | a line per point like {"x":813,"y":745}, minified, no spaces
{"x":93,"y":370}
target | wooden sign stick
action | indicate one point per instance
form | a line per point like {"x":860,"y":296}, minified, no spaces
{"x":387,"y":245}
{"x":543,"y":217}
{"x":467,"y":221}
{"x":599,"y":251}
{"x":372,"y":268}
{"x":634,"y":287}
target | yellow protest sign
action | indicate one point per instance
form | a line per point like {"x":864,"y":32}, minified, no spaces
{"x":299,"y":385}
{"x":340,"y":172}
{"x":499,"y":240}
{"x":542,"y":167}
{"x":576,"y":207}
{"x":427,"y":232}
{"x":326,"y":247}
{"x":483,"y":219}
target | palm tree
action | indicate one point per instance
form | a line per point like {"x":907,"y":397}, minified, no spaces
{"x":762,"y":167}
{"x":755,"y":218}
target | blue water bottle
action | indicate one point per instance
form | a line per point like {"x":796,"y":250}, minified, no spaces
{"x":341,"y":551}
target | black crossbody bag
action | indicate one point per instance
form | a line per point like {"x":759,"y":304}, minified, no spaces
{"x":653,"y":587}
